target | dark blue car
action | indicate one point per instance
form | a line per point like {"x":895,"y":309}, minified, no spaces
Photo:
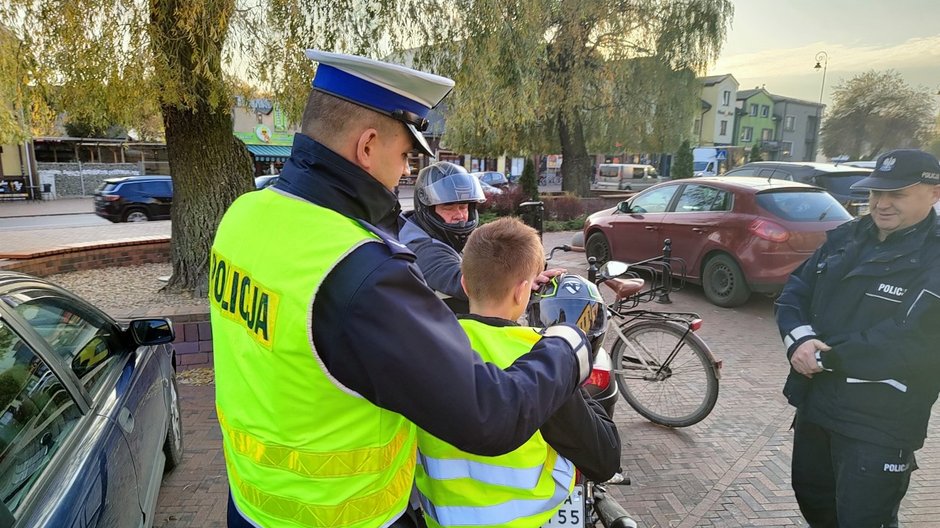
{"x":89,"y":410}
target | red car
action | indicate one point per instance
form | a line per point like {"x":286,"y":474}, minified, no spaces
{"x":736,"y":235}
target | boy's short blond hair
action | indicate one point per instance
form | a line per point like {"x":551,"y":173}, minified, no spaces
{"x":498,"y":256}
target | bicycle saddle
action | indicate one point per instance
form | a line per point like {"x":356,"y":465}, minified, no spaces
{"x":624,"y":288}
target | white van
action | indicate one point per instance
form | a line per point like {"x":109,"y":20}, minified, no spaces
{"x":625,"y":177}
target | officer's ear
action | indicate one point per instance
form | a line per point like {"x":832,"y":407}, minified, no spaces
{"x":366,"y":149}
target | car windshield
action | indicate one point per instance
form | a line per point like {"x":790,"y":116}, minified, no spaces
{"x":107,"y":187}
{"x":700,"y":165}
{"x":802,"y":206}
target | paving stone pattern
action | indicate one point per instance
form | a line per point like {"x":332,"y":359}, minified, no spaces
{"x":731,"y":470}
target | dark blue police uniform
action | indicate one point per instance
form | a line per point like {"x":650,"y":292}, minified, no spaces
{"x":877,"y":304}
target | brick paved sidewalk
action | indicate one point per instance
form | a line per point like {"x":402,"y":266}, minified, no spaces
{"x":731,"y":470}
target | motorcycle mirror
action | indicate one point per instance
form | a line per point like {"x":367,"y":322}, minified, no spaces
{"x":614,"y":268}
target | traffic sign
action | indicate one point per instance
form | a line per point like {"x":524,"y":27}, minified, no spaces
{"x":722,"y":155}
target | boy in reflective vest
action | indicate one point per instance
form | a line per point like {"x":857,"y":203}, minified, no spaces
{"x":525,"y":487}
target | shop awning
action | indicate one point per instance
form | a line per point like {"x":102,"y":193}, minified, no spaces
{"x":269,"y":152}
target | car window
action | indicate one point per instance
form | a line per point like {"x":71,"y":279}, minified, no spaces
{"x":82,"y":339}
{"x":802,"y":206}
{"x":654,"y":200}
{"x":839,"y":184}
{"x":609,"y":172}
{"x":765,"y":173}
{"x":743,"y":171}
{"x":638,"y":173}
{"x":36,"y":414}
{"x":698,"y":198}
{"x":156,"y":188}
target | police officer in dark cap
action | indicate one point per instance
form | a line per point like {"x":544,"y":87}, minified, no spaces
{"x":861,"y":321}
{"x":329,"y":348}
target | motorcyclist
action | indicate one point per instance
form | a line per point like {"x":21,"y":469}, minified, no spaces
{"x":445,"y":200}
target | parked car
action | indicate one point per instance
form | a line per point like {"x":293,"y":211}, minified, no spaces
{"x":266,"y":180}
{"x":492,"y":178}
{"x":89,"y":410}
{"x":135,"y":198}
{"x":735,"y":235}
{"x":625,"y":177}
{"x":489,"y":189}
{"x":835,"y":179}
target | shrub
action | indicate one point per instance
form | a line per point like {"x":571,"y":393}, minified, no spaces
{"x":528,"y":181}
{"x":682,"y":166}
{"x":505,"y":203}
{"x":564,"y":207}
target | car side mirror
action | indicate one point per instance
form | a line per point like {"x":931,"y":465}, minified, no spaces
{"x":624,"y":207}
{"x":147,"y":332}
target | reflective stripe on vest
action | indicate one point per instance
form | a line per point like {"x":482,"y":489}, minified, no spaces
{"x":300,"y":449}
{"x":522,"y":488}
{"x":506,"y":512}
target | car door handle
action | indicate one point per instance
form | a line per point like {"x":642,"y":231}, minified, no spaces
{"x":651,"y":228}
{"x":126,"y":420}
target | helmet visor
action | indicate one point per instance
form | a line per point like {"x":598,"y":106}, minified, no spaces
{"x":454,"y":188}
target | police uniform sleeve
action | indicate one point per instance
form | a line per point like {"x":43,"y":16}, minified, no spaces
{"x":440,"y":266}
{"x":900,"y":347}
{"x":382,"y":333}
{"x":792,"y":308}
{"x":582,"y":432}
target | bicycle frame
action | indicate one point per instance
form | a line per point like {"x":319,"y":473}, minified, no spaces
{"x":625,"y":319}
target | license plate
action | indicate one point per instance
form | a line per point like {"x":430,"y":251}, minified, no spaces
{"x":571,"y":512}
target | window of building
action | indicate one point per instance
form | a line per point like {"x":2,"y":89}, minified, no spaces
{"x":788,"y":123}
{"x":726,"y":98}
{"x":766,"y":134}
{"x":747,"y":134}
{"x":697,"y":126}
{"x":724,"y":127}
{"x":754,"y":110}
{"x":786,"y":148}
{"x":764,"y":110}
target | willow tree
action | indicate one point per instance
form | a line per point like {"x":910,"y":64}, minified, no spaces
{"x":536,"y":75}
{"x":122,"y":61}
{"x":876,"y":111}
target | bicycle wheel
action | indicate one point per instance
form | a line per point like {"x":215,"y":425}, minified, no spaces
{"x":679,"y":394}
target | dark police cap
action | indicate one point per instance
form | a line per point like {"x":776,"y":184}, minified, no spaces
{"x":401,"y":93}
{"x":901,"y":168}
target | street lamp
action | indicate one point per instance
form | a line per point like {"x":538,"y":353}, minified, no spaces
{"x":822,"y":61}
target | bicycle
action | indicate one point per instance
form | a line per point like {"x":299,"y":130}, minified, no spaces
{"x":663,"y":369}
{"x":550,"y":179}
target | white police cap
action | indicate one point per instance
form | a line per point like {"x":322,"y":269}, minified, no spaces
{"x":401,"y":93}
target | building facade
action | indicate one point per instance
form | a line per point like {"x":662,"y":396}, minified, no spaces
{"x":756,"y":121}
{"x":715,"y":125}
{"x":797,"y":135}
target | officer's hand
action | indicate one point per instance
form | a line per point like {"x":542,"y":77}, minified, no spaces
{"x":579,"y":345}
{"x":546,"y":276}
{"x":804,"y":357}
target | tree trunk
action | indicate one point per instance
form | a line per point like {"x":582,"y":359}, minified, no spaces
{"x":575,"y":163}
{"x":210,"y":168}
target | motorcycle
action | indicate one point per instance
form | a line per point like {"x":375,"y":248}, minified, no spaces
{"x":589,"y":502}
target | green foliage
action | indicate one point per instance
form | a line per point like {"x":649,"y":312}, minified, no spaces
{"x":529,"y":181}
{"x":574,"y":224}
{"x":682,"y":163}
{"x":534,"y":76}
{"x":877,"y":111}
{"x":755,"y":153}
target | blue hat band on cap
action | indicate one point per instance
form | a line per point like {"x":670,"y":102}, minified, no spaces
{"x":341,"y":84}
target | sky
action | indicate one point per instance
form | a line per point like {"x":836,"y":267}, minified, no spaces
{"x":774,"y":43}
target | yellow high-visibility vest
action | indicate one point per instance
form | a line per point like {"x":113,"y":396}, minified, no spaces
{"x":520,"y":489}
{"x":300,"y":449}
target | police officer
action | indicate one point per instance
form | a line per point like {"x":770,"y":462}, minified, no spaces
{"x":328,"y":347}
{"x":446,"y":198}
{"x":860,"y":322}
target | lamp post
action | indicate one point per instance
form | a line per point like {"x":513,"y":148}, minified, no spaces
{"x":822,"y":61}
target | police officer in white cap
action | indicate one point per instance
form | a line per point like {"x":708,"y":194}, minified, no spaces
{"x":329,"y":349}
{"x":860,"y":322}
